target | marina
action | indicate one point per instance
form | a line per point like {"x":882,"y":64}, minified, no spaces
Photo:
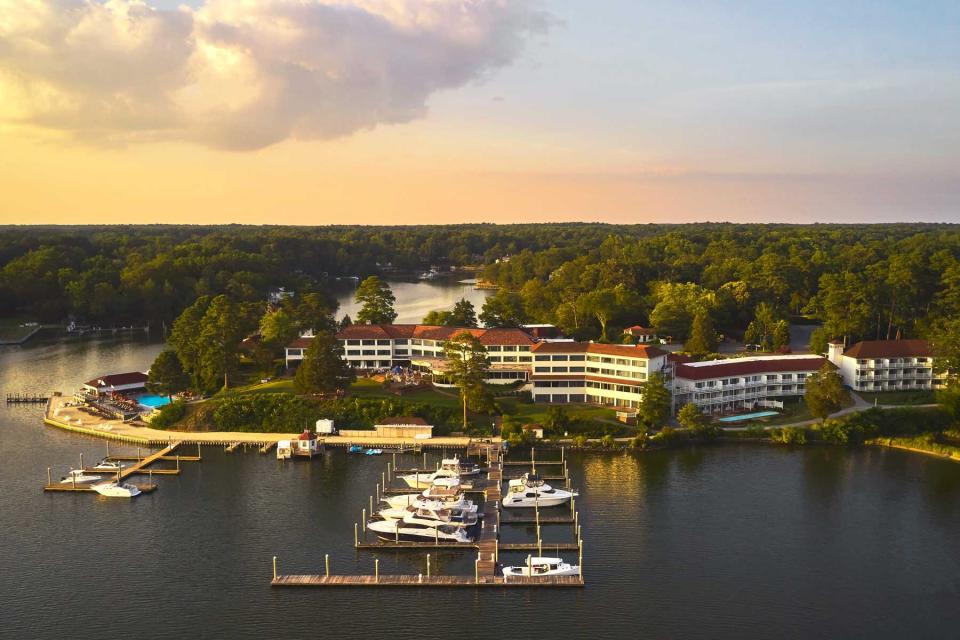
{"x":142,"y":465}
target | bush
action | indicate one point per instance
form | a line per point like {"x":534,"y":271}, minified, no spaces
{"x":265,"y":412}
{"x":580,"y":441}
{"x":607,"y":442}
{"x":169,"y":415}
{"x":789,"y":435}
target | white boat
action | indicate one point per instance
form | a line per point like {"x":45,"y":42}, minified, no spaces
{"x":450,"y":468}
{"x":412,"y":529}
{"x":444,"y":490}
{"x":108,"y":465}
{"x":543,"y":567}
{"x":77,"y":476}
{"x":531,"y":491}
{"x":117,"y":489}
{"x":434,"y":512}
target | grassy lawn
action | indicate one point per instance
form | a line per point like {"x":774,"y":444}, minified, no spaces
{"x":793,"y":411}
{"x":11,"y":331}
{"x":366,"y":388}
{"x":899,"y":397}
{"x":278,"y":385}
{"x":525,"y":412}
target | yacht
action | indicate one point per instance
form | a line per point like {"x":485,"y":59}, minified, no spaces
{"x":117,"y":489}
{"x":433,"y":511}
{"x":414,"y":529}
{"x":452,"y":499}
{"x":77,"y":476}
{"x":531,"y":491}
{"x":450,"y":468}
{"x":543,"y":567}
{"x":108,"y":465}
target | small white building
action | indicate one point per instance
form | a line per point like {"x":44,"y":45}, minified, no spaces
{"x":887,"y":365}
{"x":306,"y":446}
{"x":118,"y":382}
{"x":641,"y":334}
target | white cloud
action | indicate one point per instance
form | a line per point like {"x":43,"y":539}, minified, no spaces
{"x":244,"y":74}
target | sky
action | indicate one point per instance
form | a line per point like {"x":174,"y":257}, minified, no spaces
{"x":439,"y":111}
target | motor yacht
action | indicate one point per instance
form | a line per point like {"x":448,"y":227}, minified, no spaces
{"x":77,"y":476}
{"x":531,"y":491}
{"x":453,"y":499}
{"x":117,"y":489}
{"x":434,"y":511}
{"x":537,"y":567}
{"x":450,"y":468}
{"x":414,"y":529}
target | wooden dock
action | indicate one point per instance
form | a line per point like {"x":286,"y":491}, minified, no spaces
{"x":60,"y":486}
{"x":26,"y":398}
{"x":267,"y":447}
{"x":490,"y":530}
{"x":138,"y":468}
{"x":230,"y":448}
{"x":423,"y":581}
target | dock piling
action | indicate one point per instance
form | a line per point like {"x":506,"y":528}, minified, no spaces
{"x":363,"y":519}
{"x":371,"y":505}
{"x":376,"y":569}
{"x":326,"y":564}
{"x":428,"y":566}
{"x":274,"y":567}
{"x":356,"y":535}
{"x":49,"y":478}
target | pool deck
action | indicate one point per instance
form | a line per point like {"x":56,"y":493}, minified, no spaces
{"x":72,"y":419}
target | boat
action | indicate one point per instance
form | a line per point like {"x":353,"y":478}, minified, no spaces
{"x":435,"y":512}
{"x":413,"y":529}
{"x":108,"y":465}
{"x":355,"y":448}
{"x":537,"y":567}
{"x":531,"y":491}
{"x":445,"y":491}
{"x":374,"y":452}
{"x":77,"y":476}
{"x":117,"y":489}
{"x":449,"y":468}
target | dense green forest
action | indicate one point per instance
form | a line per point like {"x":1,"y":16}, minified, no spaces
{"x":861,"y":281}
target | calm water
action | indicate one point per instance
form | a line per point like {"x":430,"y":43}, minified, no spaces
{"x":720,"y":542}
{"x":416,"y":299}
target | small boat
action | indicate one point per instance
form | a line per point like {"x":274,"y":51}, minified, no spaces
{"x":412,"y":529}
{"x":374,"y":452}
{"x":450,"y":468}
{"x":77,"y":476}
{"x":108,"y":465}
{"x":355,"y":448}
{"x":117,"y":489}
{"x":537,"y":567}
{"x":531,"y":491}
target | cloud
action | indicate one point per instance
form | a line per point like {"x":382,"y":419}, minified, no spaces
{"x":245,"y":74}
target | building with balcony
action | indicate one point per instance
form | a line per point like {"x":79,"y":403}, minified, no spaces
{"x":607,"y":374}
{"x":886,"y":365}
{"x":723,"y":386}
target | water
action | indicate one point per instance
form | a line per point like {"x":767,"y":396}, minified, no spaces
{"x":416,"y":299}
{"x":721,"y":542}
{"x":153,"y":401}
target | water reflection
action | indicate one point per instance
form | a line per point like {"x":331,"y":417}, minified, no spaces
{"x":416,"y":299}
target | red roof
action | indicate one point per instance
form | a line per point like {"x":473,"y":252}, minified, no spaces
{"x":638,"y":329}
{"x":622,"y":350}
{"x":308,"y":435}
{"x":431,"y":332}
{"x":119,"y":379}
{"x":889,"y":349}
{"x":747,"y":366}
{"x":300,"y":343}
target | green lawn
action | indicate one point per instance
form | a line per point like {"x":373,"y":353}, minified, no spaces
{"x":11,"y":331}
{"x":526,"y":412}
{"x":793,"y":411}
{"x":278,"y":385}
{"x":899,"y":397}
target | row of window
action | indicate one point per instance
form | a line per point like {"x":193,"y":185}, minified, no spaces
{"x":590,"y":384}
{"x":770,"y":377}
{"x":623,"y":362}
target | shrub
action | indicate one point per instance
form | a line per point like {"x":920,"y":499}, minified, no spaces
{"x":266,"y":412}
{"x":169,"y":415}
{"x":789,"y":435}
{"x":608,"y":442}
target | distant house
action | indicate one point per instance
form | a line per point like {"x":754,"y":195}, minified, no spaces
{"x":117,"y":382}
{"x":642,"y":334}
{"x":886,"y":365}
{"x":543,"y":331}
{"x":278,"y":295}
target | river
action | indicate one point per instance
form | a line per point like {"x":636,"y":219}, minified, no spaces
{"x":742,"y":541}
{"x":416,"y":298}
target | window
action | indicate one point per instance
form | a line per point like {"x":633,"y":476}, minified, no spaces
{"x":559,"y":358}
{"x":353,"y":342}
{"x":577,"y":358}
{"x":542,"y":358}
{"x":383,"y":342}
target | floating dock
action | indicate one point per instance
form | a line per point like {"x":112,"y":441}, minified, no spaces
{"x":138,"y":468}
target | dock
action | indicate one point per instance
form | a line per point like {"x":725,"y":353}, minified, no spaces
{"x":230,"y":448}
{"x":423,"y":581}
{"x":26,"y":398}
{"x":140,"y":467}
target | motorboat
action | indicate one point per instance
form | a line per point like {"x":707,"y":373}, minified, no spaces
{"x":77,"y":476}
{"x":537,"y":567}
{"x":413,"y":529}
{"x":117,"y":489}
{"x":108,"y":465}
{"x":449,"y":468}
{"x":531,"y":491}
{"x":374,"y":452}
{"x":355,"y":448}
{"x":451,"y":498}
{"x":432,"y":511}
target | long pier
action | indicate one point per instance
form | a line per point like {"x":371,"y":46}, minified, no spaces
{"x":138,"y":468}
{"x":388,"y":580}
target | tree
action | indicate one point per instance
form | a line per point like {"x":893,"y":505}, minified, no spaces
{"x":221,"y":330}
{"x":377,"y":300}
{"x":655,"y":403}
{"x":166,"y":374}
{"x":703,"y":338}
{"x":690,"y":417}
{"x":278,"y":329}
{"x":184,"y":338}
{"x":824,"y":391}
{"x":313,"y":312}
{"x":819,"y":341}
{"x":601,"y":304}
{"x":467,"y":366}
{"x":437,"y":318}
{"x":503,"y":309}
{"x":557,"y":421}
{"x":323,"y":369}
{"x":464,"y":314}
{"x":781,"y":335}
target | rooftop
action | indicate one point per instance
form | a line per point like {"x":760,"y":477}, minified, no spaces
{"x":431,"y":332}
{"x":118,"y":379}
{"x":889,"y":349}
{"x":403,"y":421}
{"x":622,"y":350}
{"x":708,"y":369}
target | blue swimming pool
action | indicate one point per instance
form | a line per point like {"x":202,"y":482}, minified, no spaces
{"x":153,"y":401}
{"x":748,"y":416}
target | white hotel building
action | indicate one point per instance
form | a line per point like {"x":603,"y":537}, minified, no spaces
{"x":887,"y":365}
{"x":720,"y":386}
{"x":607,"y":374}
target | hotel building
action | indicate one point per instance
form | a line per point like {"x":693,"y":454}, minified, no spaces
{"x":886,"y":365}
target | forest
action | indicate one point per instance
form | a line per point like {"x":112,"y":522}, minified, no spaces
{"x":859,"y":281}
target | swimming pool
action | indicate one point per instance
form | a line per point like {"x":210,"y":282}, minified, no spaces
{"x":153,"y":401}
{"x":748,"y":416}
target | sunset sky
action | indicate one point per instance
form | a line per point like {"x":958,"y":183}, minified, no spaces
{"x":406,"y":111}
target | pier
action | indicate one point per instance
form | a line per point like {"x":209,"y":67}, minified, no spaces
{"x":26,"y":398}
{"x":141,"y":466}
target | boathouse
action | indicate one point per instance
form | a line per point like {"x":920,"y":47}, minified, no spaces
{"x":117,"y":382}
{"x":404,"y":427}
